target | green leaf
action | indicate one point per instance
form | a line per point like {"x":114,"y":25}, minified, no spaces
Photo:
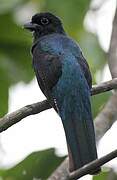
{"x":37,"y":165}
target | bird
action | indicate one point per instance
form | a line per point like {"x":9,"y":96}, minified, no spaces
{"x":65,"y":79}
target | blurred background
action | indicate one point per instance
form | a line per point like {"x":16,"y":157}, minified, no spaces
{"x":33,"y":148}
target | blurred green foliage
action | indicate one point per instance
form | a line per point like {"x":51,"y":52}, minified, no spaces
{"x":15,"y":59}
{"x":102,"y":176}
{"x":37,"y":165}
{"x":98,"y":102}
{"x":15,"y":66}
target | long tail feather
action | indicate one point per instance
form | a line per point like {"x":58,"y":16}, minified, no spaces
{"x":81,"y":143}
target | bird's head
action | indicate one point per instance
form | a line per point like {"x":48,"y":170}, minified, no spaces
{"x":43,"y":24}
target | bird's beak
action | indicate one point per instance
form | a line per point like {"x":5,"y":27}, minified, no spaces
{"x":31,"y":26}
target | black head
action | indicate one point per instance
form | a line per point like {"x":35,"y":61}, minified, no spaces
{"x":44,"y":23}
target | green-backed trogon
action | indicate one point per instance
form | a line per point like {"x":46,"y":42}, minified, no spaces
{"x":64,"y":77}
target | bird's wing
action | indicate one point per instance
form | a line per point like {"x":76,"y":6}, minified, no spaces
{"x":85,"y":69}
{"x":48,"y":69}
{"x":77,"y":52}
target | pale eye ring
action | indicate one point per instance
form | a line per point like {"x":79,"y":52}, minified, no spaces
{"x":44,"y":21}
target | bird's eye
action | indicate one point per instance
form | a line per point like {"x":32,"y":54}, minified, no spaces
{"x":44,"y":21}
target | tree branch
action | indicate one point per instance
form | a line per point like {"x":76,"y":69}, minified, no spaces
{"x":112,"y":60}
{"x":92,"y":166}
{"x":14,"y":117}
{"x":105,"y":86}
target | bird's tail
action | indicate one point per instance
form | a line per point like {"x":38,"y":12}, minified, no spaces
{"x":81,"y":143}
